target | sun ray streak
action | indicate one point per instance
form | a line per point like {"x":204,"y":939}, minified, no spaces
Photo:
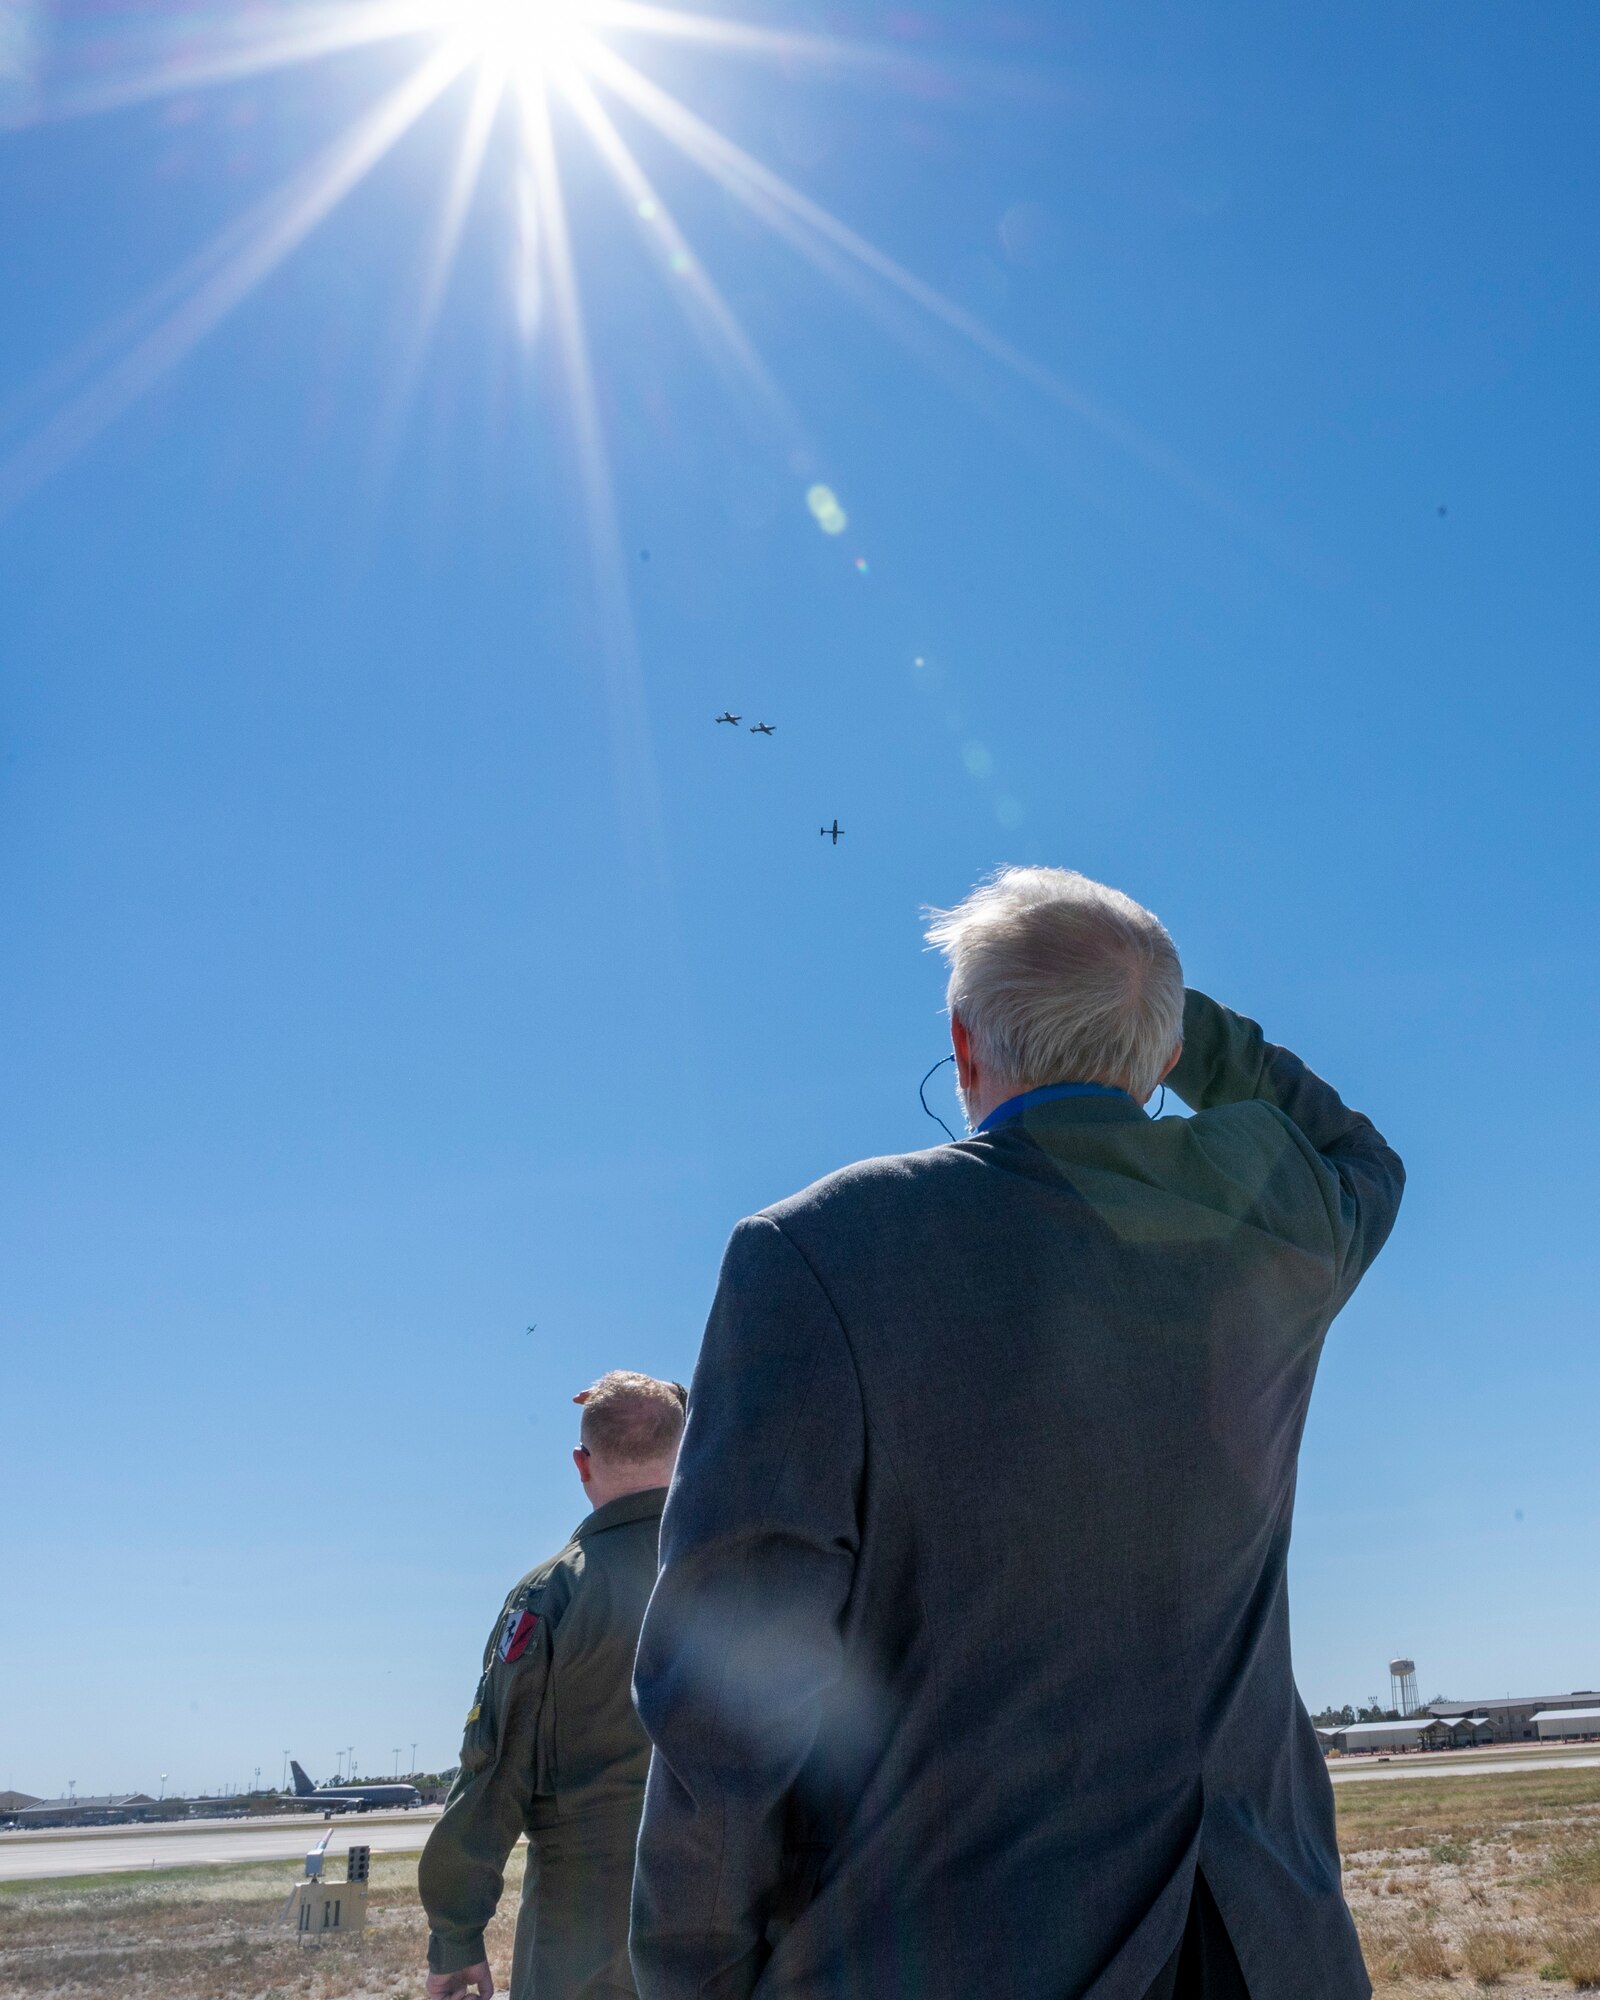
{"x":487,"y":96}
{"x":783,"y":44}
{"x":907,"y":68}
{"x":638,"y":793}
{"x":57,"y":380}
{"x":703,"y":304}
{"x":772,"y":197}
{"x":331,"y":32}
{"x":290,"y":218}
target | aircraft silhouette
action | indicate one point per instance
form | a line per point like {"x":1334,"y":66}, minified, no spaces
{"x":762,"y":728}
{"x":832,"y":832}
{"x":331,"y":1799}
{"x":726,"y":717}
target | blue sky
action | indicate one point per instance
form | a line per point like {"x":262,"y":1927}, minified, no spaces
{"x":387,"y":968}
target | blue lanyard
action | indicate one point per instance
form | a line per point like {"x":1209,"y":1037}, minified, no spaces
{"x":1015,"y":1107}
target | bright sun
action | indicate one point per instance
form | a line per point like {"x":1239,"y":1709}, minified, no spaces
{"x":528,"y":59}
{"x":545,"y":75}
{"x":523,"y":40}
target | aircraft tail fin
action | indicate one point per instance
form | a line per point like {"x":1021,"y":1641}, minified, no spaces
{"x":303,"y":1787}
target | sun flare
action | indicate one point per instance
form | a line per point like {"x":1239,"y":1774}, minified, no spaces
{"x":558,"y":68}
{"x":524,"y":84}
{"x":524,"y":42}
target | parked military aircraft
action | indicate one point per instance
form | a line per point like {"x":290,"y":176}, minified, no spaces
{"x":351,"y":1798}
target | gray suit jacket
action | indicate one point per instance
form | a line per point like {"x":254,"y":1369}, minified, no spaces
{"x":971,"y":1640}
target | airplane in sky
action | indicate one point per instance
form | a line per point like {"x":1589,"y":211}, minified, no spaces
{"x":725,"y":716}
{"x":351,"y":1798}
{"x":832,"y":832}
{"x":762,"y":728}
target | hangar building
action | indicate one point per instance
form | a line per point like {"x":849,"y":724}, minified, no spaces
{"x":1511,"y":1718}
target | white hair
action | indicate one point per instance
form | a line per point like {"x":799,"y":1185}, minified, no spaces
{"x":1058,"y":979}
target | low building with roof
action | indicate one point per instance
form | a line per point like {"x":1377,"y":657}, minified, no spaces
{"x":1466,"y":1731}
{"x":1566,"y":1725}
{"x":1510,"y":1718}
{"x":1422,"y":1732}
{"x":114,"y":1808}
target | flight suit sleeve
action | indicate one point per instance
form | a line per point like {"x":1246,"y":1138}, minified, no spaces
{"x":1227,"y":1060}
{"x":462,"y":1871}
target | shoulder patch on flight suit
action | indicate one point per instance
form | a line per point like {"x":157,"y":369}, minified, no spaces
{"x":516,"y":1629}
{"x":508,"y":1645}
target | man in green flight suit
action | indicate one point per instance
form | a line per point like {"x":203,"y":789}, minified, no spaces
{"x":553,"y":1747}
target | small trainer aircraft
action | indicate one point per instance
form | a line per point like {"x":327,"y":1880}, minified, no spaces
{"x":831,"y":832}
{"x":762,"y":728}
{"x":726,"y":717}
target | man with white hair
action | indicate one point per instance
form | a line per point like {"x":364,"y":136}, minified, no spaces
{"x":968,"y":1668}
{"x":552,"y":1747}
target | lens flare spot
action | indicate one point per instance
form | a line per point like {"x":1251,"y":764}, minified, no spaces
{"x":680,"y":261}
{"x":862,"y":565}
{"x":648,"y":209}
{"x":1008,"y":812}
{"x":830,"y":517}
{"x":977,"y":759}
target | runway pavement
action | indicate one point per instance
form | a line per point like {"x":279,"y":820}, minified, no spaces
{"x":1463,"y":1764}
{"x":112,"y":1850}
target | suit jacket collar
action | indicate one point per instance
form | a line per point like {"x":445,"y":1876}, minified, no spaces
{"x":1089,"y":1103}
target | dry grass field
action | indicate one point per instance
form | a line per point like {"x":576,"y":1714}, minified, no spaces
{"x":212,"y":1934}
{"x":1457,"y":1885}
{"x":1476,"y":1882}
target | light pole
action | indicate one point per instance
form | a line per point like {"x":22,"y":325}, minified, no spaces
{"x":413,"y":1760}
{"x":163,"y":1791}
{"x":283,"y":1783}
{"x":397,"y":1760}
{"x":352,"y":1777}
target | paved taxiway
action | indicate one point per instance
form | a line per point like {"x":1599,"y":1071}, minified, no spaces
{"x":110,"y":1850}
{"x":114,"y":1850}
{"x":1463,"y":1764}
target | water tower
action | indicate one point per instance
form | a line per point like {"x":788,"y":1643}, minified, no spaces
{"x":1403,"y":1686}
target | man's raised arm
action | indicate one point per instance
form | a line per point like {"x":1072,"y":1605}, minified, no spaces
{"x":742,"y":1638}
{"x":1227,"y":1060}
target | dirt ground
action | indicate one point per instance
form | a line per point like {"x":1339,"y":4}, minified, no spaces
{"x":1491,"y":1882}
{"x":212,"y":1934}
{"x":1455,"y":1884}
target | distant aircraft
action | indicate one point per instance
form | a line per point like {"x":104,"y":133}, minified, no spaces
{"x":726,"y":717}
{"x":351,"y":1798}
{"x":762,"y":729}
{"x":832,"y":832}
